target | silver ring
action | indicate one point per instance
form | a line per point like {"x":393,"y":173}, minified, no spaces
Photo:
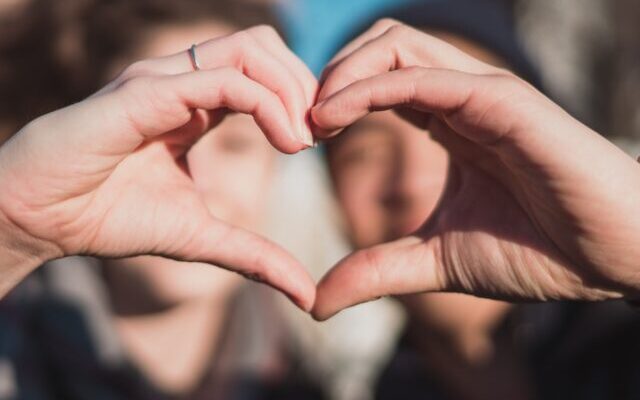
{"x":194,"y":59}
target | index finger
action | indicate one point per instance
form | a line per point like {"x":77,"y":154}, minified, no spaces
{"x":398,"y":47}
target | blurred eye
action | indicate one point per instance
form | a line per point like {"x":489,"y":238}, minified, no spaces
{"x":366,"y":156}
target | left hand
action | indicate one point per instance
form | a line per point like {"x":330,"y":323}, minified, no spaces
{"x":108,"y":176}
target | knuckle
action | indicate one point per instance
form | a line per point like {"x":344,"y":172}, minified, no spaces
{"x":229,"y":73}
{"x":137,"y":84}
{"x":244,"y":39}
{"x":509,"y":82}
{"x":264,"y":30}
{"x":415,"y":74}
{"x":415,"y":70}
{"x":244,"y":45}
{"x":136,"y":69}
{"x":399,"y":30}
{"x":386,"y":23}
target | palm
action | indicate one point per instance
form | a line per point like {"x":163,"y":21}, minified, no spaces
{"x":117,"y":184}
{"x":514,"y":222}
{"x":489,"y":243}
{"x":140,"y":208}
{"x":531,"y":227}
{"x":117,"y":204}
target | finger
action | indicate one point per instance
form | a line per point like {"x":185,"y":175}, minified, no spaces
{"x":271,"y":41}
{"x":401,"y":267}
{"x":154,"y":106}
{"x":398,"y":47}
{"x":251,"y":256}
{"x":241,"y":51}
{"x":442,"y":92}
{"x":373,"y":32}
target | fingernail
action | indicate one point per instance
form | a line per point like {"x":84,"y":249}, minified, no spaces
{"x":296,"y":134}
{"x":314,"y":110}
{"x":298,"y":302}
{"x":306,"y":137}
{"x":305,"y":128}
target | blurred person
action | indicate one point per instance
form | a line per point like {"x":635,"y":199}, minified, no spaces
{"x":252,"y":353}
{"x":477,"y":232}
{"x":155,"y":298}
{"x":378,"y":168}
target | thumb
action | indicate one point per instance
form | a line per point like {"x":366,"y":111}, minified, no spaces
{"x":408,"y":265}
{"x":252,"y":256}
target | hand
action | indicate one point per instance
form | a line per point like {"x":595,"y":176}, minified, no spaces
{"x":109,"y":177}
{"x":537,"y":206}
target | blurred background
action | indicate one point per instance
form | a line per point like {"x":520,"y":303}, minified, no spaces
{"x":146,"y":328}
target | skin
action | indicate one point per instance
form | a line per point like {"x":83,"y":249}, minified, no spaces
{"x":537,"y":206}
{"x":389,"y":176}
{"x":78,"y":180}
{"x":154,"y":298}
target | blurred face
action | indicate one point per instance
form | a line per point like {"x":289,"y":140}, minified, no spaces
{"x":231,"y":166}
{"x":388,"y":174}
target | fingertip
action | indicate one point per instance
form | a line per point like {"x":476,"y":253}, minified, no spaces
{"x":306,"y":134}
{"x":304,"y":303}
{"x":319,"y":316}
{"x":330,"y":296}
{"x":321,"y":128}
{"x":291,"y":148}
{"x":315,"y":112}
{"x":320,"y":312}
{"x":296,"y":283}
{"x":283,"y":137}
{"x":306,"y":298}
{"x":256,"y":258}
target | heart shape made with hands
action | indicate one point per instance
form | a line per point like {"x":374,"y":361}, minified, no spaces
{"x":505,"y":226}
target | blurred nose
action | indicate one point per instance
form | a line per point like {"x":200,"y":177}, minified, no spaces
{"x":414,"y":187}
{"x":406,"y":184}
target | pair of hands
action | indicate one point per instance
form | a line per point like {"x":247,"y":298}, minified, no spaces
{"x":537,"y":206}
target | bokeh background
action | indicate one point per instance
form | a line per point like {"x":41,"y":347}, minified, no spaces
{"x":61,"y":331}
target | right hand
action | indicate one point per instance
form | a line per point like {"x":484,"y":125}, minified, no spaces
{"x":108,"y":177}
{"x":537,"y":205}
